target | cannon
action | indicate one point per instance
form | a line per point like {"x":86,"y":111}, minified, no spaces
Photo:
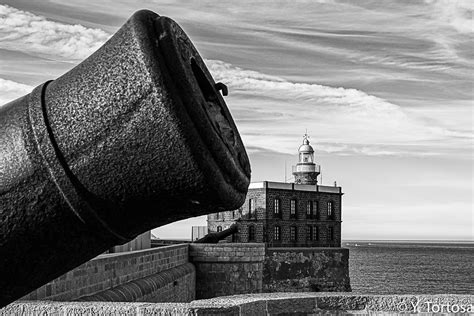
{"x":214,"y":238}
{"x":134,"y":137}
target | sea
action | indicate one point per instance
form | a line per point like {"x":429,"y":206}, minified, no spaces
{"x":394,"y":267}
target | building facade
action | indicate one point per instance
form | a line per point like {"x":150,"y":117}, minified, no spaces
{"x":301,"y":214}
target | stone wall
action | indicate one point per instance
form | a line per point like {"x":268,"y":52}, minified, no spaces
{"x":227,"y":269}
{"x":262,"y":304}
{"x":306,"y":270}
{"x":142,"y":241}
{"x":164,"y":271}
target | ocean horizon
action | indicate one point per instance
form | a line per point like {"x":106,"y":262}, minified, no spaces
{"x":411,"y":267}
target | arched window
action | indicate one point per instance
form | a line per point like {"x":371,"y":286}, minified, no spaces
{"x":252,"y":233}
{"x":277,"y":233}
{"x":219,"y":229}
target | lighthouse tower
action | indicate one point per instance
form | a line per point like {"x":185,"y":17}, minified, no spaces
{"x":306,"y":171}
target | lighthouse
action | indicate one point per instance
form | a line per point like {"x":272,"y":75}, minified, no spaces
{"x":306,"y":171}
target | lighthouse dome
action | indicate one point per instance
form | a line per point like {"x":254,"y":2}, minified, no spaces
{"x":306,"y":147}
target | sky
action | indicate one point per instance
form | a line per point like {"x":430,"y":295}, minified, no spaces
{"x":384,"y":89}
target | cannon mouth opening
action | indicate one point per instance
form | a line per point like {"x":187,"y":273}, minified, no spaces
{"x":202,"y":100}
{"x":213,"y":107}
{"x":204,"y":84}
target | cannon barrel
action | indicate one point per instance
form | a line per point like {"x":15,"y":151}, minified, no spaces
{"x":214,"y":238}
{"x":134,"y":137}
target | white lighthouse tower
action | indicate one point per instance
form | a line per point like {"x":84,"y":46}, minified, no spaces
{"x":306,"y":171}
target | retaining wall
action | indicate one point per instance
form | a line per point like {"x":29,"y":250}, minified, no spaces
{"x":306,"y":270}
{"x":156,"y":275}
{"x":227,"y":269}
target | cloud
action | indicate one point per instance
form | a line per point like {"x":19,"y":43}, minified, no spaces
{"x":272,"y":112}
{"x":458,"y":14}
{"x":33,"y":34}
{"x":10,"y":90}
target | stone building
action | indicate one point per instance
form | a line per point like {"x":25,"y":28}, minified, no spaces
{"x":300,"y":214}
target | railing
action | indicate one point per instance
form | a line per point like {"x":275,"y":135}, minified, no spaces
{"x":306,"y":167}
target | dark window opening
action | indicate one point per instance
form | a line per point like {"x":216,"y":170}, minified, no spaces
{"x":316,"y":210}
{"x":251,"y":233}
{"x":331,"y":233}
{"x":219,"y":229}
{"x":315,"y":233}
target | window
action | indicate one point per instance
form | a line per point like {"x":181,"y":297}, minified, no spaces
{"x":309,"y":209}
{"x":252,"y":233}
{"x":292,"y":208}
{"x":293,"y":233}
{"x":331,"y":233}
{"x":309,"y":233}
{"x":235,"y":237}
{"x":251,"y":208}
{"x":276,"y":233}
{"x":316,"y":210}
{"x":219,"y":229}
{"x":276,"y":208}
{"x":315,"y":233}
{"x":217,"y":215}
{"x":330,"y":214}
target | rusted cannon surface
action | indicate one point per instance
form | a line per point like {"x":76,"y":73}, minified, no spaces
{"x":134,"y":137}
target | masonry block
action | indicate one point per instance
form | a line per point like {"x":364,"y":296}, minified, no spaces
{"x":226,"y":269}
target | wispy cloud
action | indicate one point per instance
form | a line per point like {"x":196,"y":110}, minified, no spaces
{"x":458,"y":14}
{"x":10,"y":90}
{"x":33,"y":34}
{"x":272,"y":111}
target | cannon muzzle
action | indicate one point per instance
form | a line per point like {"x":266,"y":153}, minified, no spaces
{"x":214,"y":238}
{"x":134,"y":137}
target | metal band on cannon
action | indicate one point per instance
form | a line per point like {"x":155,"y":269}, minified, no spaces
{"x":135,"y":137}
